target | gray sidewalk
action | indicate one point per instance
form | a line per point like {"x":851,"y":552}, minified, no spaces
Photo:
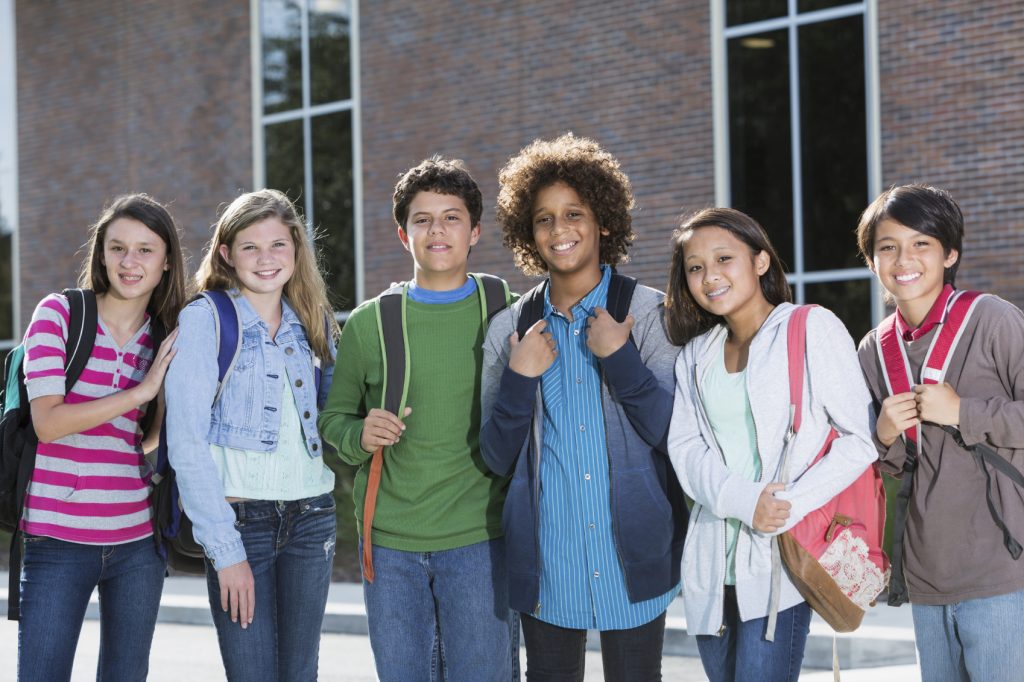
{"x":882,"y":649}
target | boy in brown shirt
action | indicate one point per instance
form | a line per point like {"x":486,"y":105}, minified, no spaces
{"x":963,"y":574}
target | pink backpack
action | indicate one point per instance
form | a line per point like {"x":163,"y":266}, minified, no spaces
{"x":834,"y":555}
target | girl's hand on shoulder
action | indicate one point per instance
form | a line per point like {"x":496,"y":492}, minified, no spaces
{"x":605,"y":335}
{"x":531,"y":355}
{"x":150,"y":386}
{"x":771,"y":513}
{"x":899,"y":412}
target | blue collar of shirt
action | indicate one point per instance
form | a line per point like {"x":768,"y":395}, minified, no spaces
{"x":421,"y":295}
{"x":249,"y":317}
{"x":598,"y":296}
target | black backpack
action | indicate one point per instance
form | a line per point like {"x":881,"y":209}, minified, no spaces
{"x":620,"y":295}
{"x":18,"y":439}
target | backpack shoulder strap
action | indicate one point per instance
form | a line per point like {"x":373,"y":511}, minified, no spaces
{"x":228,"y":325}
{"x":531,"y":308}
{"x":81,"y":333}
{"x":494,"y":295}
{"x":394,"y":347}
{"x":620,"y":295}
{"x":796,"y":353}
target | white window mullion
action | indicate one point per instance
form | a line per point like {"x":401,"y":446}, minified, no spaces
{"x":307,"y":125}
{"x":795,"y":152}
{"x":720,"y":104}
{"x":357,"y":149}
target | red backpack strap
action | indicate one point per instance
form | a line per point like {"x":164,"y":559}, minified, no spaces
{"x":796,"y":350}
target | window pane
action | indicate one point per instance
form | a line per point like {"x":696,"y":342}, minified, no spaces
{"x":283,"y":146}
{"x":812,"y":5}
{"x":746,"y":11}
{"x":332,"y":205}
{"x":6,"y":283}
{"x":834,"y":140}
{"x":328,"y":51}
{"x":282,"y":55}
{"x":761,"y":171}
{"x":850,"y":300}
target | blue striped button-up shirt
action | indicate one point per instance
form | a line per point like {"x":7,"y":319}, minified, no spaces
{"x":582,"y":585}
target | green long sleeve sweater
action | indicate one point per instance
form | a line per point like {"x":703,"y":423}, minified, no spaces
{"x":436,"y":493}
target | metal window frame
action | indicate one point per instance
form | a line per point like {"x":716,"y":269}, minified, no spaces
{"x":794,"y":19}
{"x":306,"y":112}
{"x":9,"y":88}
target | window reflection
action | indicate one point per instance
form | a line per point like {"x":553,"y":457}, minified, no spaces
{"x":759,"y":134}
{"x":850,"y":300}
{"x":332,"y":204}
{"x":282,"y":55}
{"x":283,"y":146}
{"x":746,"y":11}
{"x":329,"y":51}
{"x":834,"y":143}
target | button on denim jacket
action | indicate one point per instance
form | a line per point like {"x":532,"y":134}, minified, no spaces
{"x":247,"y":416}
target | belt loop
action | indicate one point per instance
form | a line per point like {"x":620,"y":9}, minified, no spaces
{"x":240,"y":512}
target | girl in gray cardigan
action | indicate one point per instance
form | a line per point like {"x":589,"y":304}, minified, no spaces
{"x":729,"y":302}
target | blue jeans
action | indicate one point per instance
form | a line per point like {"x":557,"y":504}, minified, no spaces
{"x":290,"y":549}
{"x":976,"y":639}
{"x":557,"y":654}
{"x":57,"y":579}
{"x":742,"y":652}
{"x":442,"y":615}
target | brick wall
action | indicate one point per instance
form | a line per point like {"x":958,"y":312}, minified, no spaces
{"x":120,"y":96}
{"x":479,"y":80}
{"x":952,"y":105}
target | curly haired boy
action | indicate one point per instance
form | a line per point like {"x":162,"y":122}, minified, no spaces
{"x":600,"y":548}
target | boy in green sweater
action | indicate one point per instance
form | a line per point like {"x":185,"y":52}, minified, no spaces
{"x":434,"y":584}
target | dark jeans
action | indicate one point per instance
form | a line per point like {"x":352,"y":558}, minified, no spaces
{"x":742,"y":653}
{"x":290,"y":548}
{"x":57,"y":579}
{"x":555,"y":654}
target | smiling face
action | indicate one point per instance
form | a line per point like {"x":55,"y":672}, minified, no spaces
{"x":910,"y":265}
{"x":263,"y":257}
{"x":438,"y":233}
{"x":565,"y":231}
{"x":722,"y":273}
{"x":134,"y":257}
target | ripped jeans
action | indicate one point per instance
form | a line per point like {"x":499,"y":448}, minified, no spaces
{"x":290,"y":549}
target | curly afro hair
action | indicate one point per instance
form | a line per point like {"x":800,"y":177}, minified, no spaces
{"x":580,"y":163}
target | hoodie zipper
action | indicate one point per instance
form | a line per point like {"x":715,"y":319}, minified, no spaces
{"x":704,"y":415}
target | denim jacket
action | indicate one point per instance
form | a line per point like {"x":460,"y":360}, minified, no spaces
{"x":246,"y":417}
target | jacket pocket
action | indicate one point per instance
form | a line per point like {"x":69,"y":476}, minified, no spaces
{"x":517,"y":519}
{"x":643,"y":516}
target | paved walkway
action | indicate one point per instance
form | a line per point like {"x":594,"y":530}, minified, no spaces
{"x":185,"y":646}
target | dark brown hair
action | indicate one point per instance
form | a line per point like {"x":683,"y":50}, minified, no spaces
{"x":684,"y":318}
{"x":168,"y":297}
{"x":440,"y":175}
{"x":923,"y":208}
{"x":592,"y":173}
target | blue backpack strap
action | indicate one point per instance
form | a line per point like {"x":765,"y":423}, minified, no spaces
{"x":532,"y":308}
{"x":228,"y":324}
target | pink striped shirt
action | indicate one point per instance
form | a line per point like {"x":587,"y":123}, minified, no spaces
{"x":90,"y":487}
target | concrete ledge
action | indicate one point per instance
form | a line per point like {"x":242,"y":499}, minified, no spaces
{"x":886,"y":638}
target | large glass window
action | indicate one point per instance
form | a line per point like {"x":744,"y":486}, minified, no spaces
{"x":794,"y":85}
{"x":307,"y":124}
{"x":8,"y":179}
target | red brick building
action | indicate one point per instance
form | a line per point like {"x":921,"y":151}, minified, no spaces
{"x":798,"y":111}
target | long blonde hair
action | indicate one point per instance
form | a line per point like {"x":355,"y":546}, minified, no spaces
{"x":305,"y":290}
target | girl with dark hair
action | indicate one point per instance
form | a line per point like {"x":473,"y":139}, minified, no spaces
{"x":729,"y":302}
{"x":87,"y":515}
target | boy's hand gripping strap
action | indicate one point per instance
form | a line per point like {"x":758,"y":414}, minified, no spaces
{"x":892,"y":354}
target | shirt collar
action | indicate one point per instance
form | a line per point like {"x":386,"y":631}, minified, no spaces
{"x":935,"y":316}
{"x":598,"y":296}
{"x":249,"y":317}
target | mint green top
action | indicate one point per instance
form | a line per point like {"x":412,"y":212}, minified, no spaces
{"x":286,"y":473}
{"x":728,"y":408}
{"x":435,"y":493}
